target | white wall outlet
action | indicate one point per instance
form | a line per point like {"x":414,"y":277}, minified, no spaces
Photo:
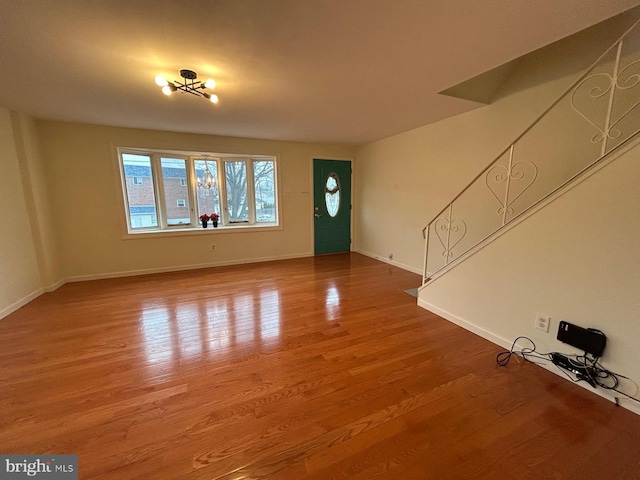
{"x":542,"y":322}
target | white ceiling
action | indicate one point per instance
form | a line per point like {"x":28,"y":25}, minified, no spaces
{"x":337,"y":71}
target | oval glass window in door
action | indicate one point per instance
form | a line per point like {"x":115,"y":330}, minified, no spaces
{"x":332,"y":194}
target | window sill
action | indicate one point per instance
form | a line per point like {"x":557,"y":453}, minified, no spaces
{"x":188,"y":231}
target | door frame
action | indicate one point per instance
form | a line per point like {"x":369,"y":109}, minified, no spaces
{"x":311,"y":191}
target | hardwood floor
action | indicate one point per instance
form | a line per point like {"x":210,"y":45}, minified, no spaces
{"x":315,"y":368}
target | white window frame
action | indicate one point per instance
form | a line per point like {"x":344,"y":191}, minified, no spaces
{"x":181,"y":203}
{"x":191,"y":182}
{"x":138,"y":181}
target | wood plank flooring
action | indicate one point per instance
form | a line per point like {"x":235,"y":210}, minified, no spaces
{"x":315,"y":368}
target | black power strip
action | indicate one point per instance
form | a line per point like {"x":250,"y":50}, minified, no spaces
{"x":582,"y":371}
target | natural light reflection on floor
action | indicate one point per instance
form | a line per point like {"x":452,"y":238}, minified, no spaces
{"x":332,"y":302}
{"x":159,"y":341}
{"x":211,"y":326}
{"x":218,"y":330}
{"x":244,"y":318}
{"x":269,"y":315}
{"x":189,"y":330}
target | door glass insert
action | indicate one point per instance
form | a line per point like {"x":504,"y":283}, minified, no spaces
{"x":332,"y":194}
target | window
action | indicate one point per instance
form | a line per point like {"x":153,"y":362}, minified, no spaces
{"x":181,"y":186}
{"x":208,"y":187}
{"x":332,"y":194}
{"x":236,"y":177}
{"x":173,"y":169}
{"x":141,"y":201}
{"x":265,"y":180}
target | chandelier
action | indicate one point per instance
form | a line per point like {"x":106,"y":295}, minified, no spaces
{"x":207,"y":182}
{"x":189,"y":84}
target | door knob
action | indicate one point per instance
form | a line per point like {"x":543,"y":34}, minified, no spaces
{"x":317,"y":215}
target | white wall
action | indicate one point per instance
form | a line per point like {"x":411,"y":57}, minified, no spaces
{"x":90,"y":219}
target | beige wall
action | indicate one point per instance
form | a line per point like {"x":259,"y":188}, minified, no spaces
{"x":36,"y":180}
{"x":90,"y":221}
{"x":576,"y":260}
{"x":20,"y":279}
{"x":406,"y":180}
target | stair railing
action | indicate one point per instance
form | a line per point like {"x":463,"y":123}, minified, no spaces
{"x":590,"y":120}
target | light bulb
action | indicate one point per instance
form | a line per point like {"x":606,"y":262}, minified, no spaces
{"x":213,"y":98}
{"x":161,"y":82}
{"x":166,"y":90}
{"x":210,"y":83}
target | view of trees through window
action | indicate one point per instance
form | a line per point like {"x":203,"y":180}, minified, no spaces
{"x":165,"y":191}
{"x":208,"y":196}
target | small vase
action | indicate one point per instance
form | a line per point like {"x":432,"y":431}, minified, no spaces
{"x":204,"y":223}
{"x":215,"y":223}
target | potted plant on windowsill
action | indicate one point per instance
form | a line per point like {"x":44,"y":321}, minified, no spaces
{"x":214,"y":217}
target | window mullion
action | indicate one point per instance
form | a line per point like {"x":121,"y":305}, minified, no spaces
{"x":159,"y":190}
{"x":222,"y":191}
{"x":193,"y":197}
{"x":251,"y":192}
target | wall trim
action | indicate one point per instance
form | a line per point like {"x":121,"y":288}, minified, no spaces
{"x":21,"y":303}
{"x":403,"y":266}
{"x":503,"y":342}
{"x":131,"y":273}
{"x":54,"y":286}
{"x":178,"y":268}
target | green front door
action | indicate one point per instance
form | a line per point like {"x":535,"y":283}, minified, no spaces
{"x":332,"y":205}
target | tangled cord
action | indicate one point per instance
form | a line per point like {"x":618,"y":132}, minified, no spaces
{"x":596,"y":374}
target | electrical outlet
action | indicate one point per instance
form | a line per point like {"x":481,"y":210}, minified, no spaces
{"x":213,"y":246}
{"x":390,"y":256}
{"x":542,"y":322}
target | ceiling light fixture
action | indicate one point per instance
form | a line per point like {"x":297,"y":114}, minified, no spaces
{"x":189,"y":85}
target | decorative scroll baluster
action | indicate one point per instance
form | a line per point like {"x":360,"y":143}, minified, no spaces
{"x":499,"y":174}
{"x":507,"y":183}
{"x":449,"y":225}
{"x":506,"y":190}
{"x":612,"y":93}
{"x":613,"y":84}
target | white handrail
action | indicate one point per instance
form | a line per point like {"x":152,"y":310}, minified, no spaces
{"x":516,"y":171}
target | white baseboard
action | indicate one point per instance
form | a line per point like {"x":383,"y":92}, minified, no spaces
{"x":54,"y":286}
{"x":20,"y":303}
{"x":487,"y":335}
{"x":506,"y":344}
{"x":178,"y":268}
{"x":130,"y":273}
{"x":384,"y":259}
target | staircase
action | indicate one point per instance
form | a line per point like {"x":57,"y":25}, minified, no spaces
{"x":593,"y":121}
